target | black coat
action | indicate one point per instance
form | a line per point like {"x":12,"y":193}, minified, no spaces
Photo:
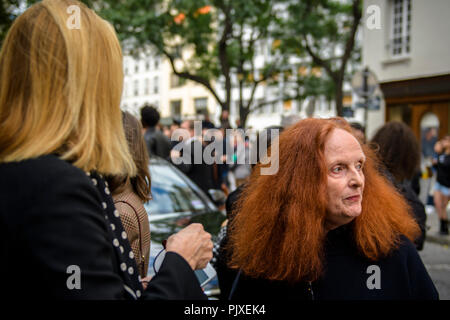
{"x":198,"y":171}
{"x":53,"y":216}
{"x":157,"y":143}
{"x":406,"y":188}
{"x":348,"y":276}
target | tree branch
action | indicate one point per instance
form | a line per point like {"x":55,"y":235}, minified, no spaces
{"x":204,"y":81}
{"x":350,"y":43}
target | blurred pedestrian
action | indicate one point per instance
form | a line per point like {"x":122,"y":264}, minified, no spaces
{"x":399,"y":151}
{"x":130,"y":193}
{"x":224,"y":120}
{"x":429,"y":139}
{"x":60,"y":134}
{"x":239,"y":162}
{"x":326,"y":225}
{"x":174,"y":126}
{"x":442,"y":184}
{"x":198,"y":171}
{"x":157,"y":143}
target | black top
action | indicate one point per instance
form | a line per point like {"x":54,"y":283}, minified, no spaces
{"x":196,"y":168}
{"x":443,"y":170}
{"x":54,"y":216}
{"x":349,"y":276}
{"x":417,"y":207}
{"x":157,"y":143}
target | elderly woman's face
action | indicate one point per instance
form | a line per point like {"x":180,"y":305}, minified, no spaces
{"x":344,"y":160}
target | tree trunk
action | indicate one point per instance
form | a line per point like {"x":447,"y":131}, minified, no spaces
{"x":338,"y":97}
{"x":243,"y":114}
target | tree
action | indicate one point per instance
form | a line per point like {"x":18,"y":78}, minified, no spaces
{"x":325,"y":30}
{"x":220,"y":36}
{"x":9,"y":9}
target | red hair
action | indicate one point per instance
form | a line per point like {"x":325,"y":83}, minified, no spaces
{"x":278,"y":231}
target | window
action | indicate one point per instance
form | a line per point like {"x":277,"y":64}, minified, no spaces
{"x":176,"y":81}
{"x":156,"y":62}
{"x":147,"y":86}
{"x":136,"y":67}
{"x":177,"y":52}
{"x":171,"y":193}
{"x":136,"y":88}
{"x":175,"y":108}
{"x":275,"y":107}
{"x":155,"y":85}
{"x":259,"y":106}
{"x":401,"y":26}
{"x":201,"y":105}
{"x":147,"y":65}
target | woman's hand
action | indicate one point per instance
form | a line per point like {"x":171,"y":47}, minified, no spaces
{"x":194,"y":244}
{"x":145,"y":281}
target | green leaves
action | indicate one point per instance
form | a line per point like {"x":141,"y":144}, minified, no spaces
{"x":223,"y":38}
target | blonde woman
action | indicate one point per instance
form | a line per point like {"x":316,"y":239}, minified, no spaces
{"x":129,"y":194}
{"x":60,"y":133}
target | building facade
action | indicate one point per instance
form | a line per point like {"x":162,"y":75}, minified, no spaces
{"x":149,"y":79}
{"x":409,"y":55}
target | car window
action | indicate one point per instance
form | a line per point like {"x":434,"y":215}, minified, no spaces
{"x":170,"y":192}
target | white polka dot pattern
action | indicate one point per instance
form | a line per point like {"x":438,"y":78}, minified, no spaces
{"x":119,"y":238}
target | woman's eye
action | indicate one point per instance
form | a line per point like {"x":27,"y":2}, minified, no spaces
{"x":336,"y":169}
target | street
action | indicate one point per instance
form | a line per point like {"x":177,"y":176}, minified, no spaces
{"x":436,"y":258}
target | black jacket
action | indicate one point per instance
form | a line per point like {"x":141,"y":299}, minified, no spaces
{"x":443,"y":169}
{"x":418,"y":210}
{"x":349,"y":276}
{"x":157,"y":143}
{"x":406,"y":188}
{"x":53,"y":216}
{"x":196,"y":168}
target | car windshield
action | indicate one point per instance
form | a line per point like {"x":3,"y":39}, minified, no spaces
{"x":171,"y":193}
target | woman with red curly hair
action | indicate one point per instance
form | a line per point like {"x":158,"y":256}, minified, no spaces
{"x":326,"y":225}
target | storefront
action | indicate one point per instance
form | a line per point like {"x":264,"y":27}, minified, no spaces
{"x":422,"y":103}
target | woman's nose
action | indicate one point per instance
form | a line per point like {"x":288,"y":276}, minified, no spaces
{"x":356,"y":179}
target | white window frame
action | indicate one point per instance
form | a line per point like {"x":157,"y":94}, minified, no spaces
{"x":155,"y":85}
{"x":147,"y":86}
{"x":136,"y":88}
{"x":201,"y":107}
{"x":405,"y":31}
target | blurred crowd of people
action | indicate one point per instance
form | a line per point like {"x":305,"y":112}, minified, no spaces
{"x":226,"y":174}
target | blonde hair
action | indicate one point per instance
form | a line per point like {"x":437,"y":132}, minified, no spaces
{"x":60,"y":90}
{"x":141,"y":183}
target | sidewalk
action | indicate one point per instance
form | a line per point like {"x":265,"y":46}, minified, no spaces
{"x":433,"y":228}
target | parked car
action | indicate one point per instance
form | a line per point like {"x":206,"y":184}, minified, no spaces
{"x":177,"y":202}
